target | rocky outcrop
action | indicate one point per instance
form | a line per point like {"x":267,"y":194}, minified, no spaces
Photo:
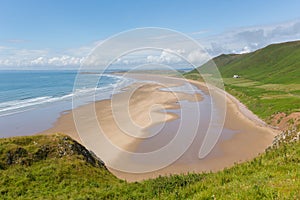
{"x":288,"y":136}
{"x":17,"y":156}
{"x":68,"y":146}
{"x":27,"y":150}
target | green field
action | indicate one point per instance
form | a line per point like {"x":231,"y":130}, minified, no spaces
{"x":54,"y":167}
{"x":270,"y":78}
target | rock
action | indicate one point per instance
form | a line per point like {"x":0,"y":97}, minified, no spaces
{"x":58,"y":146}
{"x":288,"y":136}
{"x":42,"y":153}
{"x":16,"y":156}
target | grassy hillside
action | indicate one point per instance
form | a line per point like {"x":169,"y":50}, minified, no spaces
{"x":56,"y":167}
{"x":276,"y":63}
{"x":270,"y":78}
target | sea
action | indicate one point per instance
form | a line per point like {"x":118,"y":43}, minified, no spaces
{"x":31,"y":101}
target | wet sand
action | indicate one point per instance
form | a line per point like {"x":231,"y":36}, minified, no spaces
{"x":243,"y":137}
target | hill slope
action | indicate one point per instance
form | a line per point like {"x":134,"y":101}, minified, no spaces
{"x":56,"y":167}
{"x":270,"y":79}
{"x":276,"y":63}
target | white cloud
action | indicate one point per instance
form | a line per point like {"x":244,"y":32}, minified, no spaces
{"x":197,"y":56}
{"x":57,"y":61}
{"x":23,"y":58}
{"x":246,"y":49}
{"x":242,"y":40}
{"x":38,"y":61}
{"x":166,"y":57}
{"x":251,"y":38}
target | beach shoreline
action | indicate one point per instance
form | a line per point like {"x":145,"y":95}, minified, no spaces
{"x":251,"y":138}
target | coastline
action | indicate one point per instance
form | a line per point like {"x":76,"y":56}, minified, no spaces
{"x":147,"y":95}
{"x":250,"y":138}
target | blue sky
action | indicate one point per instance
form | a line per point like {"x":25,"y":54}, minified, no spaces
{"x":56,"y":26}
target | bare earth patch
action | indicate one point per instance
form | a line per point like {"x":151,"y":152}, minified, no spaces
{"x":284,"y":121}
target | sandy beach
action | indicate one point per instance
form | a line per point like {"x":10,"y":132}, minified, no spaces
{"x":247,"y":135}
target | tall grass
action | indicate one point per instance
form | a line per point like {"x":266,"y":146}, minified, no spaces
{"x":273,"y":175}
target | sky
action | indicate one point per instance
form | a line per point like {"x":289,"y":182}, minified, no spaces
{"x":51,"y":33}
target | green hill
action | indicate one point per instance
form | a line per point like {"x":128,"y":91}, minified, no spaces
{"x":56,"y":167}
{"x":276,"y":63}
{"x":270,"y":78}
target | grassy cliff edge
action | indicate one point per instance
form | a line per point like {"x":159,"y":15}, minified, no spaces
{"x":55,"y":167}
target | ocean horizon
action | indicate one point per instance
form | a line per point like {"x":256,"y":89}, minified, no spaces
{"x":40,"y":96}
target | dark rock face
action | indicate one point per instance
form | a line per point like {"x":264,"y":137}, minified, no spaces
{"x":17,"y":156}
{"x":42,"y":153}
{"x":71,"y":147}
{"x":89,"y":156}
{"x":58,"y":146}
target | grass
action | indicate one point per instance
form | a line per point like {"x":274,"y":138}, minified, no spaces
{"x":269,"y":80}
{"x":276,"y":63}
{"x":264,"y":102}
{"x":273,"y":175}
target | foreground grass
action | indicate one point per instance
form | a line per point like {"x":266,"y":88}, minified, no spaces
{"x":68,"y":175}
